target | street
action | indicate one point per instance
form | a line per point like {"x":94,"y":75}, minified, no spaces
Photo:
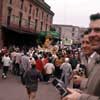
{"x":12,"y":89}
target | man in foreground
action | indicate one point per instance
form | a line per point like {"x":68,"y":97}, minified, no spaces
{"x":92,"y":88}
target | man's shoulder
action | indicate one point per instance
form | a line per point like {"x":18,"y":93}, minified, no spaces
{"x":97,"y":59}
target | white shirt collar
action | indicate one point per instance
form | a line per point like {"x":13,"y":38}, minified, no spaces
{"x":91,"y":56}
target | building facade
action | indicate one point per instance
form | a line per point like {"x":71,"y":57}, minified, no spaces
{"x":23,"y":19}
{"x":69,"y":32}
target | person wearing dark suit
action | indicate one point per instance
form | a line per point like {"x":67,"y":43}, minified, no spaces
{"x":92,"y":86}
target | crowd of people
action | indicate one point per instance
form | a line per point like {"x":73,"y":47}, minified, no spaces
{"x":79,"y":70}
{"x":35,"y":63}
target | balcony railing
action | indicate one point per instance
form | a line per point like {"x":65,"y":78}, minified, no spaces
{"x":14,"y":24}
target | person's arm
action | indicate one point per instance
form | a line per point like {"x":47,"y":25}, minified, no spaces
{"x":83,"y":83}
{"x":72,"y":95}
{"x":88,"y":97}
{"x":75,"y":95}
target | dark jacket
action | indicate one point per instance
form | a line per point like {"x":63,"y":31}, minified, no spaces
{"x":31,"y":79}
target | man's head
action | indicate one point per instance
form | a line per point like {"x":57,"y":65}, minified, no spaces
{"x":94,"y":32}
{"x":86,"y":46}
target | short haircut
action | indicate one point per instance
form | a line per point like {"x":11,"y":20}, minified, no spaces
{"x":85,"y":33}
{"x":94,"y":17}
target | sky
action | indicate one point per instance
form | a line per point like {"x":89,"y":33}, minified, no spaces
{"x":73,"y":12}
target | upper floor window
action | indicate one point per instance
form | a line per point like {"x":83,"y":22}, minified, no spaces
{"x":47,"y":18}
{"x":30,"y":9}
{"x":20,"y":18}
{"x":9,"y":15}
{"x":10,"y":1}
{"x":36,"y":22}
{"x":33,"y":13}
{"x":37,"y":10}
{"x":22,"y":1}
{"x":46,"y":27}
{"x":42,"y":14}
{"x":73,"y":34}
{"x":29,"y":20}
{"x":73,"y":29}
{"x":41,"y":26}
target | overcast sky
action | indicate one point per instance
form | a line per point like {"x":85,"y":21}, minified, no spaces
{"x":73,"y":12}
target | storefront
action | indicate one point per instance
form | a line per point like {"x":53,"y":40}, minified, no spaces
{"x":18,"y":38}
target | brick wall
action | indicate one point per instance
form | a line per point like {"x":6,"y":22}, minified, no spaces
{"x":15,"y":15}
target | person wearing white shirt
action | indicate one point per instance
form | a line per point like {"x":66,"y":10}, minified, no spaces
{"x":49,"y":69}
{"x":6,"y":64}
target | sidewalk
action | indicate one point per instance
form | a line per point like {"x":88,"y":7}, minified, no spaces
{"x":12,"y":89}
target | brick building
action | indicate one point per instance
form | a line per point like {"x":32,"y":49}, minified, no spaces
{"x":22,"y":20}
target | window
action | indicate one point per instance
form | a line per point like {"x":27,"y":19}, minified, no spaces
{"x":47,"y":18}
{"x":10,"y":1}
{"x":37,"y":10}
{"x":41,"y":26}
{"x":29,"y":19}
{"x":73,"y":29}
{"x":33,"y":13}
{"x":73,"y":34}
{"x":21,"y":4}
{"x":46,"y":27}
{"x":42,"y":14}
{"x":30,"y":9}
{"x":9,"y":16}
{"x":20,"y":19}
{"x":36,"y":24}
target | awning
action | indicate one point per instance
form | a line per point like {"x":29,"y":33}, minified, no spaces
{"x":20,"y":31}
{"x":54,"y":34}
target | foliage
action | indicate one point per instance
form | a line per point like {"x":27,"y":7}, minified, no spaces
{"x":42,"y":35}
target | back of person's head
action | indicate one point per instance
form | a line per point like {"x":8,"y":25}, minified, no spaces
{"x":17,"y":49}
{"x":85,"y":33}
{"x":25,"y":53}
{"x":95,"y":16}
{"x":35,"y":57}
{"x":33,"y":66}
{"x":7,"y":54}
{"x":44,"y":55}
{"x":66,"y":59}
{"x":50,"y":60}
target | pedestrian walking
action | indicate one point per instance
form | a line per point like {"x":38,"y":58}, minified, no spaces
{"x":6,"y":64}
{"x":31,"y":81}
